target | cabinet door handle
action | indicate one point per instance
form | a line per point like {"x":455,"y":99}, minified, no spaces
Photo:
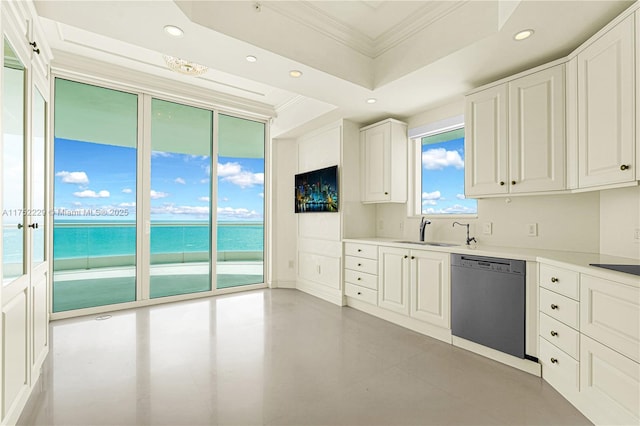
{"x":513,"y":182}
{"x":554,"y":361}
{"x":501,"y":183}
{"x":359,"y":293}
{"x":359,"y":278}
{"x":554,"y":333}
{"x":625,"y":167}
{"x":386,"y":193}
{"x":554,"y":280}
{"x":359,"y":250}
{"x":554,"y":306}
{"x":359,"y":264}
{"x":413,"y":257}
{"x":405,"y":256}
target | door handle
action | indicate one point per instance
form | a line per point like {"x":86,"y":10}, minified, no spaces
{"x":33,"y":225}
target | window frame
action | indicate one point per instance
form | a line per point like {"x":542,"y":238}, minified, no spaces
{"x":414,"y":202}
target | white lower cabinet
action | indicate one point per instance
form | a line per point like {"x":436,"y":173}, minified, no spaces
{"x":361,"y":272}
{"x":609,"y":384}
{"x":429,"y":287}
{"x":393,"y":273}
{"x":590,"y":348}
{"x":415,"y":283}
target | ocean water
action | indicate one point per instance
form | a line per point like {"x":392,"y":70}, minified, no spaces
{"x":73,"y":240}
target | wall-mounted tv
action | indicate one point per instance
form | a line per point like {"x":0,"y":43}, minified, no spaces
{"x":317,"y":191}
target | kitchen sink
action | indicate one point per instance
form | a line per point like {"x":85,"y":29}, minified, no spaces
{"x":427,"y":243}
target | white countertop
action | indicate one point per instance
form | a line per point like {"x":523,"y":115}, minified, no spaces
{"x":564,"y":259}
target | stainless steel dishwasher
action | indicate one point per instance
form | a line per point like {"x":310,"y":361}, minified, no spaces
{"x":488,"y":302}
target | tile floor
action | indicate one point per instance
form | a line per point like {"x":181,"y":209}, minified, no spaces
{"x":275,"y":357}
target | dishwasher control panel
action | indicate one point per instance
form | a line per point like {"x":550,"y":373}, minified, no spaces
{"x":510,"y":266}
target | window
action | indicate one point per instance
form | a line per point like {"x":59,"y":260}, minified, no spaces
{"x":442,"y":175}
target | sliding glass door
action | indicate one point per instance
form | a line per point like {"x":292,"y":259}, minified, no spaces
{"x":240,"y":213}
{"x":181,"y":143}
{"x":95,"y":168}
{"x":134,"y":181}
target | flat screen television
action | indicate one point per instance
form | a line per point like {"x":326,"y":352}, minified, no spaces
{"x":317,"y":191}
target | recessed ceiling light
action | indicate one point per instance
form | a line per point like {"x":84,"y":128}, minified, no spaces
{"x":295,"y":73}
{"x":173,"y":31}
{"x":372,"y":100}
{"x":251,"y":58}
{"x":522,"y":35}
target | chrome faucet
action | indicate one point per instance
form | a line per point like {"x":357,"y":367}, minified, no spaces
{"x":467,"y":225}
{"x":423,"y":224}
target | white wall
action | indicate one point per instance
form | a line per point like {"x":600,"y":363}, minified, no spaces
{"x":620,"y":217}
{"x":285,"y":160}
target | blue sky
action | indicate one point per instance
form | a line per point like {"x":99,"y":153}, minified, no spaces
{"x":98,"y":176}
{"x":443,"y":179}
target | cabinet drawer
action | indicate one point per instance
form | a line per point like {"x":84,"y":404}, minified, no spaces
{"x":559,"y":369}
{"x":361,"y":279}
{"x":361,"y":293}
{"x":361,"y":250}
{"x":359,"y":264}
{"x":560,"y":307}
{"x":560,"y":335}
{"x":610,"y":314}
{"x":610,"y":384}
{"x":560,"y":280}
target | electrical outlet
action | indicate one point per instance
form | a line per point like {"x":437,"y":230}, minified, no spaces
{"x":532,"y":229}
{"x":291,"y":264}
{"x":402,"y":226}
{"x":381,"y":224}
{"x":487,"y":228}
{"x":636,"y":234}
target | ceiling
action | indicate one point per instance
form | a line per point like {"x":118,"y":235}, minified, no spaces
{"x":408,"y":55}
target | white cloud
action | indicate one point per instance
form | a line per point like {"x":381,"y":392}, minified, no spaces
{"x":435,"y":195}
{"x":238,"y":213}
{"x":161,"y":154}
{"x":455,"y":209}
{"x":127,"y":205}
{"x":261,"y":195}
{"x":225,"y":199}
{"x":157,"y":194}
{"x":87,"y":193}
{"x":439,"y":158}
{"x":245,"y":179}
{"x":233,"y":173}
{"x":204,"y":180}
{"x":229,"y":169}
{"x":77,"y":203}
{"x":180,"y":181}
{"x":178,"y":210}
{"x":73,"y":177}
{"x":460,"y":196}
{"x":205,"y":199}
{"x":127,"y":190}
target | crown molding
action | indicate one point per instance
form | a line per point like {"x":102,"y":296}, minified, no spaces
{"x":316,"y":19}
{"x":305,"y":13}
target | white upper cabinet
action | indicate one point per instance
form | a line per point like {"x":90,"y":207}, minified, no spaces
{"x":537,"y":132}
{"x":486,"y":142}
{"x":515,"y":136}
{"x":606,"y":108}
{"x":383,"y":149}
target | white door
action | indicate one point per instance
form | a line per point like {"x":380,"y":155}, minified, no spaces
{"x":376,"y":151}
{"x":393,"y":273}
{"x":15,"y":276}
{"x":537,"y":132}
{"x":429,"y":287}
{"x":606,"y":110}
{"x":485,"y":144}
